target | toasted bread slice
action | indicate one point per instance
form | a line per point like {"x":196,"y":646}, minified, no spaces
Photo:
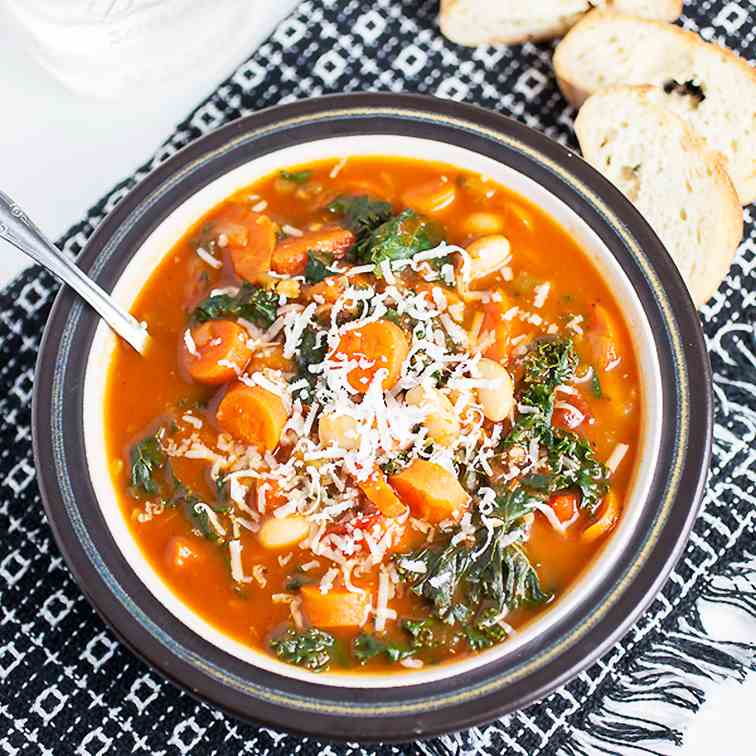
{"x":479,"y":22}
{"x":710,"y":86}
{"x":671,"y":176}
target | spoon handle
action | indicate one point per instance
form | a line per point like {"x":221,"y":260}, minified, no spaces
{"x":17,"y":229}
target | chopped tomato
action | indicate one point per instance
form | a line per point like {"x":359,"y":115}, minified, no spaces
{"x":353,"y":522}
{"x":564,"y":505}
{"x":503,"y":330}
{"x":601,"y":333}
{"x":567,"y":419}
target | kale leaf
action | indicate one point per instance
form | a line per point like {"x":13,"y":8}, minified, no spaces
{"x":152,"y":476}
{"x":361,"y":214}
{"x":548,"y":364}
{"x":421,"y":637}
{"x":252,"y":303}
{"x":399,"y":238}
{"x":198,"y":516}
{"x":421,"y":633}
{"x":366,"y":646}
{"x":147,"y":458}
{"x":311,"y":648}
{"x":572,"y":462}
{"x":574,"y":465}
{"x":317,"y":266}
{"x":312,"y":350}
{"x":459,"y":580}
{"x":485,"y":631}
{"x":396,"y":463}
{"x":297,"y":177}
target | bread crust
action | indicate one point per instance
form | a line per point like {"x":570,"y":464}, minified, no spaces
{"x":581,"y":37}
{"x":704,"y":268}
{"x":475,"y":22}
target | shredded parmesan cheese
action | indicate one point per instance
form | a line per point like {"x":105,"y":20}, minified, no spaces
{"x":205,"y":256}
{"x":191,"y":347}
{"x":237,"y":571}
{"x":617,"y":455}
{"x":337,"y":168}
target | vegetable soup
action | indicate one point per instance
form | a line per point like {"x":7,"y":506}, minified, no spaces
{"x":389,"y":415}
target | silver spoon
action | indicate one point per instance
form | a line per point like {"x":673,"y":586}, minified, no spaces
{"x":16,"y":228}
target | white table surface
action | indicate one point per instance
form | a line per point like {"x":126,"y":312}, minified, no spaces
{"x":60,"y":153}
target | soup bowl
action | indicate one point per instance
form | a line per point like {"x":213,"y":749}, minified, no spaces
{"x":666,"y":488}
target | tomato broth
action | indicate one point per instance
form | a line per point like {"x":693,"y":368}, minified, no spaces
{"x":389,"y":414}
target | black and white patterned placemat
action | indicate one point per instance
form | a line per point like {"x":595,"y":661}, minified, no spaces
{"x":66,"y":684}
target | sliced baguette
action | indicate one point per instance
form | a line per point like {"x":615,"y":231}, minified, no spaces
{"x":671,"y":176}
{"x":608,"y":48}
{"x":479,"y":22}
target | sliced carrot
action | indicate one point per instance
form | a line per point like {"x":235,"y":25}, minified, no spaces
{"x":337,"y":608}
{"x":380,"y":493}
{"x":179,"y":552}
{"x":607,"y":519}
{"x":431,"y":491}
{"x":290,"y":255}
{"x":253,"y":415}
{"x":431,"y":196}
{"x":564,"y":505}
{"x":381,"y":344}
{"x":252,"y":259}
{"x":216,"y":342}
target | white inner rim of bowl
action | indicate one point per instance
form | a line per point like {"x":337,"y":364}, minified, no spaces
{"x":175,"y":226}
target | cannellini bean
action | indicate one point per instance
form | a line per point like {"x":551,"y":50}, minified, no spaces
{"x":283,"y":532}
{"x":495,"y":402}
{"x":487,"y":255}
{"x":441,"y":422}
{"x":342,"y":430}
{"x":483,"y":223}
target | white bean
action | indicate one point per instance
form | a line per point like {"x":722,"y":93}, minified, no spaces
{"x":342,"y":430}
{"x":441,"y":422}
{"x":495,"y":402}
{"x":483,"y":223}
{"x":487,"y":255}
{"x":283,"y":532}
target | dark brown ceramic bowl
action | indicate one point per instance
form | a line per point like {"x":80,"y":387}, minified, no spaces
{"x":665,"y":492}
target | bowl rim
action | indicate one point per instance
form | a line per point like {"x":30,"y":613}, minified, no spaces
{"x":411,"y":711}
